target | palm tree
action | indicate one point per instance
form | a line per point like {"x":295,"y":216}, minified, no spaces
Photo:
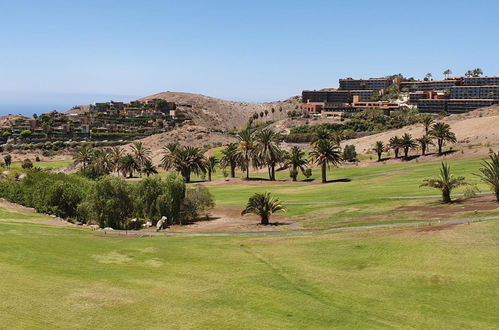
{"x":211,"y":165}
{"x":441,"y":132}
{"x":148,"y":168}
{"x":428,"y":76}
{"x":490,"y":173}
{"x":185,"y":160}
{"x":168,"y":155}
{"x":477,"y":72}
{"x":100,"y":163}
{"x":379,"y":147}
{"x":141,"y":153}
{"x":267,"y":151}
{"x":407,"y":142}
{"x":263,"y":205}
{"x":446,"y":182}
{"x":115,"y":155}
{"x":230,"y":158}
{"x":394,"y":143}
{"x":128,"y":165}
{"x":272,"y":110}
{"x":325,"y":154}
{"x":296,"y":160}
{"x":427,"y":120}
{"x":321,"y":134}
{"x":447,"y":73}
{"x":83,"y":156}
{"x":245,"y":148}
{"x":424,"y":142}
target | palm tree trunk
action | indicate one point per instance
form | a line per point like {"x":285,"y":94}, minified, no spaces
{"x":396,"y":152}
{"x":247,"y":168}
{"x":264,"y":219}
{"x":232,"y":171}
{"x":440,"y":144}
{"x":294,"y":171}
{"x":273,"y":171}
{"x":423,"y":149}
{"x":379,"y":156}
{"x":446,"y":196}
{"x":323,"y":171}
{"x":497,"y":194}
{"x":406,"y":152}
{"x":209,"y":175}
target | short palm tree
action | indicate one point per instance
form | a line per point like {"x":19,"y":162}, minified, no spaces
{"x":185,"y":160}
{"x":100,"y":163}
{"x":394,"y":143}
{"x":441,"y":132}
{"x":379,"y":147}
{"x":128,"y":165}
{"x":427,"y":120}
{"x":425,"y":141}
{"x":325,"y":153}
{"x":267,"y":151}
{"x":446,"y":182}
{"x":245,"y":148}
{"x":230,"y":158}
{"x":296,"y":160}
{"x":407,"y":143}
{"x":141,"y":153}
{"x":211,"y":165}
{"x":168,"y":155}
{"x":263,"y":205}
{"x":148,"y":168}
{"x":83,"y":156}
{"x":490,"y":173}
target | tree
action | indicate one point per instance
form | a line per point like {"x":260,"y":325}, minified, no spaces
{"x":296,"y":160}
{"x":26,"y":134}
{"x":427,"y":121}
{"x":263,"y":205}
{"x":140,"y":153}
{"x":424,"y":142}
{"x":441,"y":132}
{"x":490,"y":173}
{"x":349,"y":153}
{"x":148,"y":168}
{"x":128,"y":165}
{"x":468,"y":73}
{"x":325,"y":154}
{"x":428,"y":76}
{"x":7,"y":159}
{"x":100,"y":163}
{"x":111,"y":202}
{"x":446,"y":182}
{"x":83,"y":156}
{"x":230,"y":158}
{"x":395,"y":144}
{"x":185,"y":160}
{"x":115,"y":155}
{"x":379,"y":147}
{"x":477,"y":72}
{"x":27,"y":164}
{"x":407,"y":143}
{"x":272,"y":110}
{"x":447,"y":73}
{"x":211,"y":165}
{"x":267,"y":151}
{"x":245,"y":148}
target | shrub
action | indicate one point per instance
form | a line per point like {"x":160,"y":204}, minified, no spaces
{"x":349,"y":153}
{"x":27,"y":164}
{"x":197,"y":200}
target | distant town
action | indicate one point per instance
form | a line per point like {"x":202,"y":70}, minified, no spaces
{"x":452,"y":95}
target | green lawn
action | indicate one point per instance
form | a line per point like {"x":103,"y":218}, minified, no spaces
{"x":57,"y":277}
{"x":46,"y":164}
{"x":366,"y":199}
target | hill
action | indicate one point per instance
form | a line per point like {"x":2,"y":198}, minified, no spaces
{"x":221,"y":114}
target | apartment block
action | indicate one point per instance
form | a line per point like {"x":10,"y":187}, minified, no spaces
{"x":481,"y":81}
{"x":327,"y":96}
{"x":475,"y":92}
{"x":453,"y":106}
{"x":427,"y":86}
{"x":363,"y":84}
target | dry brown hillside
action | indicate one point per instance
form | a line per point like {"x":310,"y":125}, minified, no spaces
{"x":220,"y":114}
{"x":475,"y":128}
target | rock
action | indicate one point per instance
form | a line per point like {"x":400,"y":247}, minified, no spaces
{"x":148,"y":224}
{"x":94,"y":227}
{"x":160,"y":223}
{"x":78,"y":223}
{"x":108,"y":228}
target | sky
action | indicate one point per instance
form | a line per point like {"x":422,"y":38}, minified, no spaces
{"x":56,"y":54}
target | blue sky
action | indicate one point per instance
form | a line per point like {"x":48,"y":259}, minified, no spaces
{"x":55,"y":54}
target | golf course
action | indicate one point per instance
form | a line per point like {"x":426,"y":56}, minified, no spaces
{"x":56,"y":275}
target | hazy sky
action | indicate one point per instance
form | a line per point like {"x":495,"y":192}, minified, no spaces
{"x":55,"y":54}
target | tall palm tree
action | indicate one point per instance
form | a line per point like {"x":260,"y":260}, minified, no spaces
{"x":148,"y":168}
{"x":490,"y":173}
{"x":321,"y":134}
{"x":441,"y":132}
{"x":394,"y":143}
{"x":446,"y":182}
{"x":83,"y":156}
{"x":211,"y":165}
{"x":100,"y":163}
{"x":185,"y":160}
{"x":267,"y":151}
{"x":296,"y":160}
{"x":141,"y":153}
{"x":230,"y":158}
{"x":407,"y":143}
{"x":168,"y":155}
{"x":425,"y":141}
{"x":477,"y":72}
{"x":245,"y":148}
{"x":447,"y":73}
{"x":115,"y":155}
{"x":128,"y":165}
{"x":427,"y":120}
{"x":263,"y":205}
{"x":379,"y":147}
{"x":325,"y":154}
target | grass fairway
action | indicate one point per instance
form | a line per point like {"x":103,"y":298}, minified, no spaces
{"x":46,"y":164}
{"x":59,"y":277}
{"x":366,"y":199}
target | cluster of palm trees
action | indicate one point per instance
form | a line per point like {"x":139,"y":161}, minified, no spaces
{"x":433,"y":131}
{"x":116,"y":160}
{"x":262,"y":149}
{"x":188,"y":160}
